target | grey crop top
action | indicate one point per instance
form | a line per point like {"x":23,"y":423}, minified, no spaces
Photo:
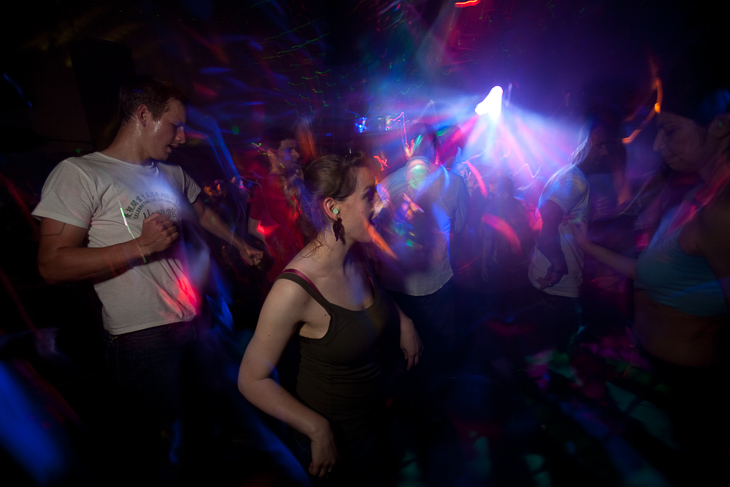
{"x":677,"y":279}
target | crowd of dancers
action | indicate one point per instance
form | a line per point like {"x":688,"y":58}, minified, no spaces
{"x":325,"y":320}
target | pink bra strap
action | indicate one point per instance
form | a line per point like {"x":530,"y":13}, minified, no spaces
{"x":303,"y":276}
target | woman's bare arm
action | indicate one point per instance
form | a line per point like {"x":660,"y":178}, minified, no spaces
{"x":410,"y":342}
{"x":280,"y":316}
{"x":714,"y":240}
{"x":622,"y":264}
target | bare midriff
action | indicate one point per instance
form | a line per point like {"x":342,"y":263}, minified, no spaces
{"x":677,"y":337}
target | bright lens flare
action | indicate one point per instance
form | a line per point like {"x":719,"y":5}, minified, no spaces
{"x":492,"y":104}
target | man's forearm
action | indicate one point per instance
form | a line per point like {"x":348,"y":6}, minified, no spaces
{"x":549,"y":241}
{"x":62,"y":255}
{"x":253,"y":229}
{"x":66,"y":264}
{"x":214,"y":224}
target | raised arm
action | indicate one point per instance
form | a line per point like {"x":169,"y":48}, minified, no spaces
{"x":622,"y":264}
{"x":280,"y":316}
{"x":253,"y":228}
{"x":62,"y":256}
{"x":215,"y":225}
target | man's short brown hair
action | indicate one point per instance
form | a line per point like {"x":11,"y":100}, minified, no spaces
{"x":150,"y":91}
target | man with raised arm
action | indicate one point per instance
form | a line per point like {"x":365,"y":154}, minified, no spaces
{"x":115,"y":217}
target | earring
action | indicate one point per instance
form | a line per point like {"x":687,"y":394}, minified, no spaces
{"x":338,"y":230}
{"x":336,"y":211}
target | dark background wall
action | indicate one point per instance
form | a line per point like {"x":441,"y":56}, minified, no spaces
{"x":250,"y":64}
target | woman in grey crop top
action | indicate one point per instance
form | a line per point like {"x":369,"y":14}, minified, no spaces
{"x":682,"y":286}
{"x":682,"y":280}
{"x":338,"y":201}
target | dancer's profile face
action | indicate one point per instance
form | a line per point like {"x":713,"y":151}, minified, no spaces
{"x":167,"y":132}
{"x":358,"y":209}
{"x":287,"y":154}
{"x":684,"y":145}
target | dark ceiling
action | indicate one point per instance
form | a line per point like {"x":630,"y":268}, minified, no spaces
{"x":250,"y":64}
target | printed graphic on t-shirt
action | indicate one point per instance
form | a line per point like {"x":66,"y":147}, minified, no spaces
{"x":165,"y":203}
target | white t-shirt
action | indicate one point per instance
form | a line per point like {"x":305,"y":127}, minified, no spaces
{"x":110,"y":198}
{"x":568,"y":188}
{"x":444,"y":201}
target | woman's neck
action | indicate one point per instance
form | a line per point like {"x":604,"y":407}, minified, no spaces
{"x":331,"y":255}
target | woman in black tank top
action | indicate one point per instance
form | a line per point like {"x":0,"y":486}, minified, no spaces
{"x":327,"y":297}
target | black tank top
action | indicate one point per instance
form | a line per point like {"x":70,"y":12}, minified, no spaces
{"x":339,"y":374}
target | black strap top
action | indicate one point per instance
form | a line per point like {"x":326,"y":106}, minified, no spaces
{"x":339,"y":374}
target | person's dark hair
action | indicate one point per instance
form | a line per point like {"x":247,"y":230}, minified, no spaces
{"x":290,"y":181}
{"x":149,"y":91}
{"x":329,"y":176}
{"x":273,"y":137}
{"x":695,"y":82}
{"x":699,"y":103}
{"x":505,"y":186}
{"x":606,"y":116}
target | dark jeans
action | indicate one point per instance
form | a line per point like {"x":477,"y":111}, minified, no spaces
{"x":145,"y":371}
{"x":420,"y":403}
{"x":433,"y":316}
{"x":556,"y":321}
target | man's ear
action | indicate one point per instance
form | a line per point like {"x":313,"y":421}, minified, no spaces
{"x":143,"y":115}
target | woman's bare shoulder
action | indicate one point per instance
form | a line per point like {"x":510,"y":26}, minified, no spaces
{"x":715,"y":216}
{"x":713,"y":237}
{"x":287,"y":292}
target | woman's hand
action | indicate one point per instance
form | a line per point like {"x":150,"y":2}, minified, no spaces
{"x":552,"y":277}
{"x":324,"y":452}
{"x":580,"y":234}
{"x":410,"y":342}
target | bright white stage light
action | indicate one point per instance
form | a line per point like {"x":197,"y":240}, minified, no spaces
{"x":492,"y":104}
